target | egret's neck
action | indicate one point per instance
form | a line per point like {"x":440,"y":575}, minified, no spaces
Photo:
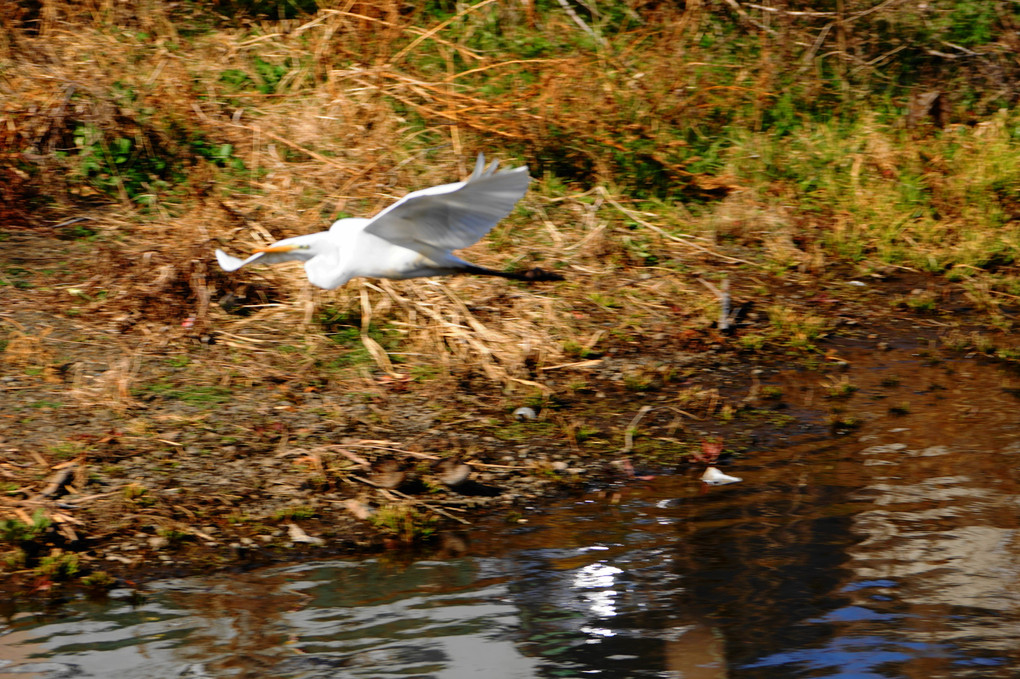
{"x":349,"y":225}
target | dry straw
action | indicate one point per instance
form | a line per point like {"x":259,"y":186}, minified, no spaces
{"x":345,"y":111}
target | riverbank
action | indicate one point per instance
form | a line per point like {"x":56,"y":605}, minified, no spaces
{"x":163,"y":450}
{"x":729,"y":196}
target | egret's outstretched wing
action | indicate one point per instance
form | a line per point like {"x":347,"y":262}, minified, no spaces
{"x":452,"y":216}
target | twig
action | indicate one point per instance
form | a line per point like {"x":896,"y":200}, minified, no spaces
{"x":723,"y":295}
{"x":684,"y":412}
{"x":367,"y":482}
{"x":962,"y":49}
{"x":70,"y":221}
{"x":435,"y":509}
{"x":57,"y":481}
{"x":747,"y":17}
{"x":461,"y":74}
{"x":388,"y":493}
{"x":580,"y":22}
{"x":790,"y":12}
{"x":423,"y":456}
{"x":628,"y":437}
{"x":473,"y":463}
{"x":591,"y":363}
{"x":356,"y":459}
{"x":816,"y":45}
{"x":60,"y":517}
{"x":204,"y":536}
{"x":76,"y":503}
{"x":866,"y":12}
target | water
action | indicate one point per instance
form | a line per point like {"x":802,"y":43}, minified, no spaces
{"x":890,"y":552}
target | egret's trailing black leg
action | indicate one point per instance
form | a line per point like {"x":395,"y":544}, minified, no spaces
{"x":530,"y":276}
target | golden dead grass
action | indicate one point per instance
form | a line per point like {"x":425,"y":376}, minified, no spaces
{"x":269,"y":129}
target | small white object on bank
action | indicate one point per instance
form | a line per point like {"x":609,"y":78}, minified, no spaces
{"x":524,"y":413}
{"x":295,"y":534}
{"x":714,"y":477}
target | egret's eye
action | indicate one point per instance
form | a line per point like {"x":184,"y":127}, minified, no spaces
{"x":304,"y":247}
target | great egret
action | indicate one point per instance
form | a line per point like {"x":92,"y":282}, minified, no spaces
{"x":413,"y":237}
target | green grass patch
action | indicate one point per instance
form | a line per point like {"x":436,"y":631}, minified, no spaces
{"x":197,"y":395}
{"x":405,"y":522}
{"x":16,"y":531}
{"x":297,"y":512}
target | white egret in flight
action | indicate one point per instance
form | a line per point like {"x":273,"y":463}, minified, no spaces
{"x":413,"y":237}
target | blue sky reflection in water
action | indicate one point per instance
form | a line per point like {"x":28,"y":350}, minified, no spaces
{"x":890,"y":552}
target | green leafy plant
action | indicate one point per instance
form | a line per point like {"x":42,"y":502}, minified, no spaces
{"x":296,"y":512}
{"x":58,"y":566}
{"x":16,"y":531}
{"x":404,"y":521}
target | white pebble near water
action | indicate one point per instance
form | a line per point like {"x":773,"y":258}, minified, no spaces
{"x":714,"y":477}
{"x":524,"y":413}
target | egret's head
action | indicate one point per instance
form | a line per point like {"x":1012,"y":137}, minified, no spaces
{"x":283,"y":248}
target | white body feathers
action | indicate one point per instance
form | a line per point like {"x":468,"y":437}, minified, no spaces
{"x":413,"y":237}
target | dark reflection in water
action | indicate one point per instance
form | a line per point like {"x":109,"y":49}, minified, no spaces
{"x":889,"y":553}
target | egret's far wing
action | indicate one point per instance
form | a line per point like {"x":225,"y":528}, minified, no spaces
{"x":452,"y":216}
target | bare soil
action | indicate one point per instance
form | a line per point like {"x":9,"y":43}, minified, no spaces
{"x":158,"y":445}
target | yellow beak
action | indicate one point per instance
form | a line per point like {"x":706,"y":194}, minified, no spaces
{"x":277,"y":248}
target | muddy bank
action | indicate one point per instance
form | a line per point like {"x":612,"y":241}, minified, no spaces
{"x":162,"y":448}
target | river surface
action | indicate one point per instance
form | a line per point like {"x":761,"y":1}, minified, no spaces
{"x":890,"y":551}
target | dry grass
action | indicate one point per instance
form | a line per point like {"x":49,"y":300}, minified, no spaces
{"x":331,"y":137}
{"x":206,"y":133}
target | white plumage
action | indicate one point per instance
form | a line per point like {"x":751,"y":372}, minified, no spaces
{"x":413,"y":237}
